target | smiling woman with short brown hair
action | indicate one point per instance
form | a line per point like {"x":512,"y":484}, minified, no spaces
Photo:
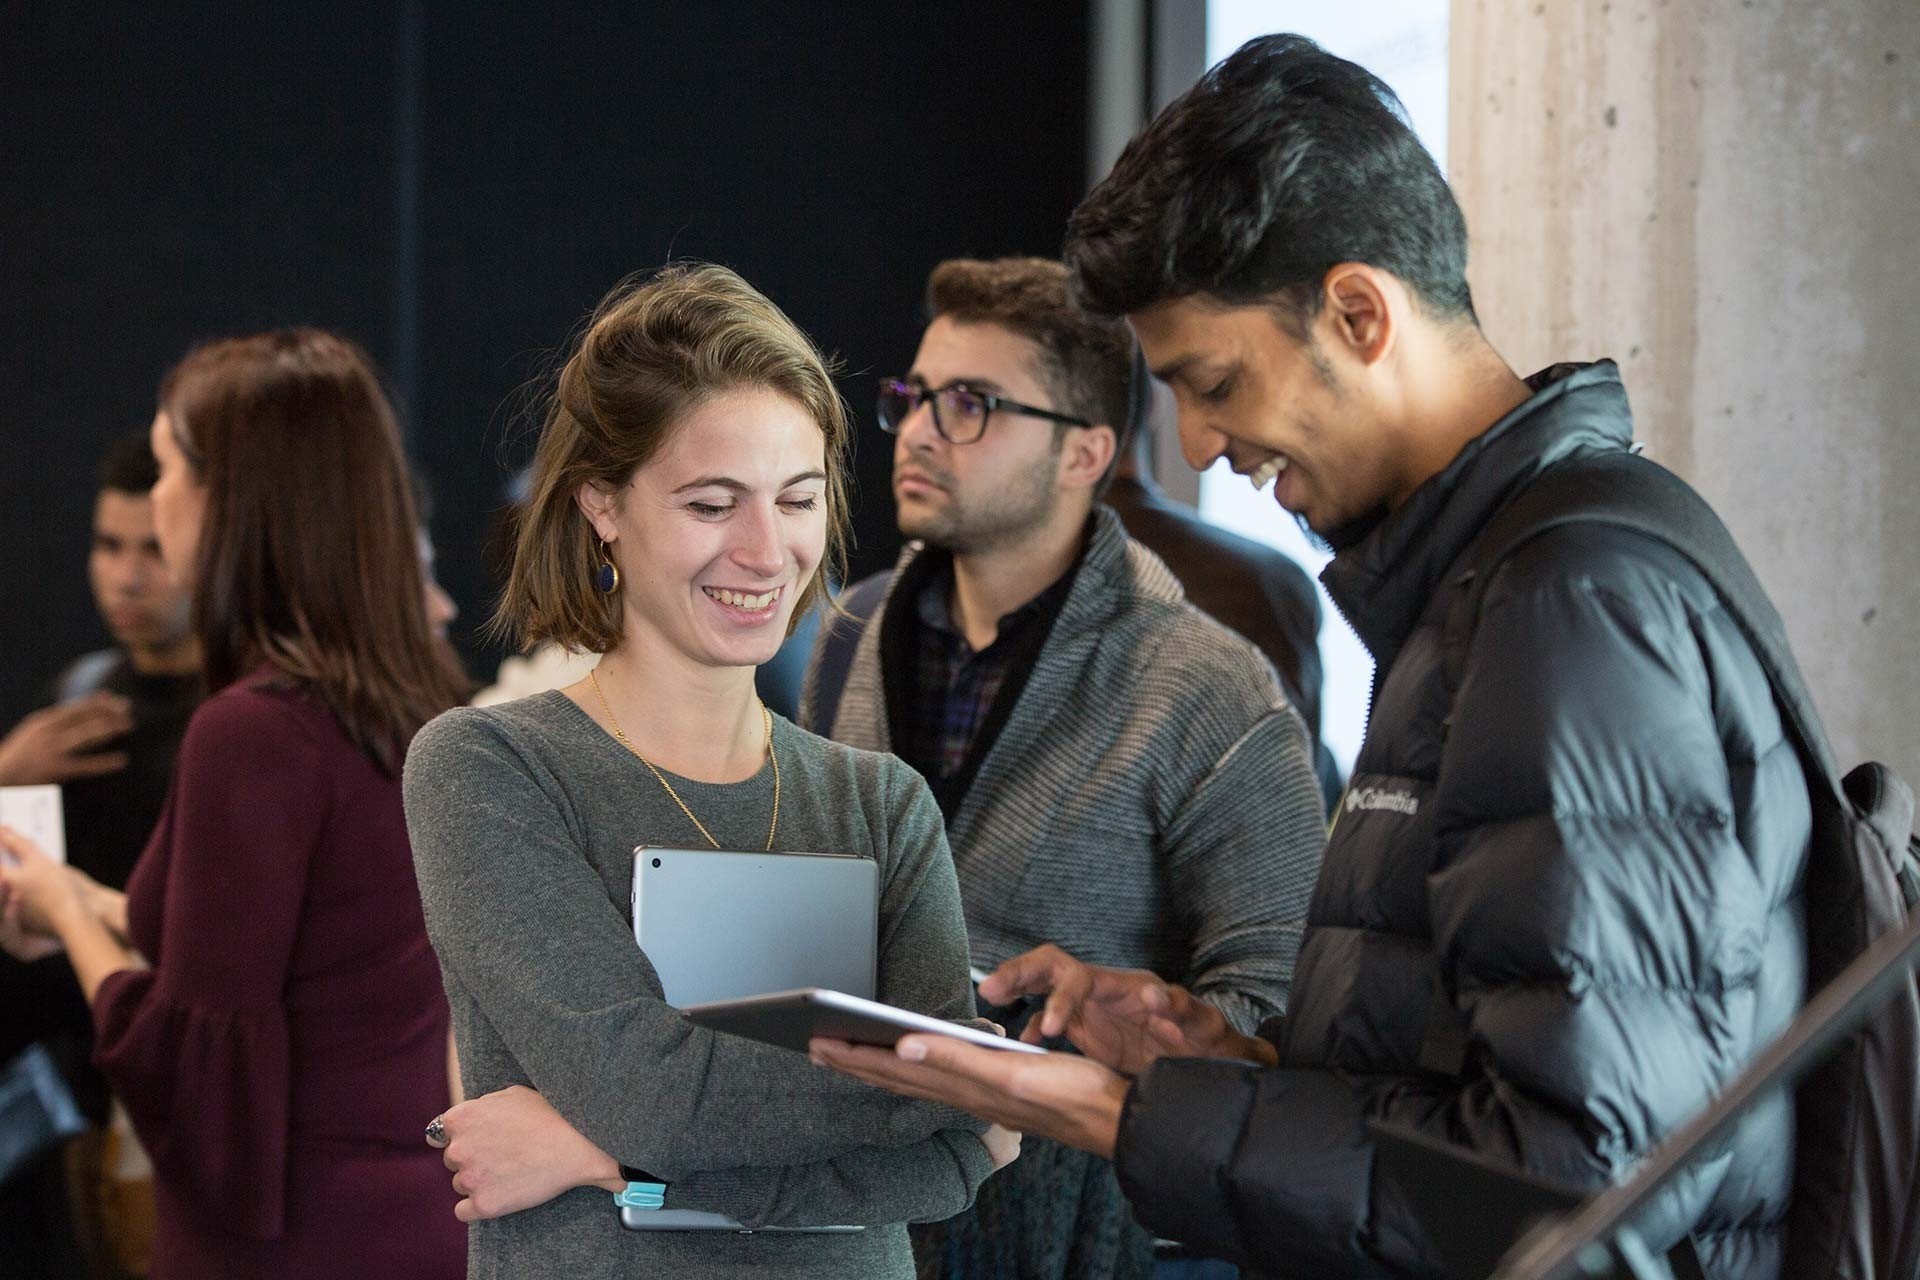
{"x":686,"y":492}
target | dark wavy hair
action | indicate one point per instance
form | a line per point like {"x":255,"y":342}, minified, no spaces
{"x":1282,"y":162}
{"x":1088,"y":359}
{"x":308,"y":559}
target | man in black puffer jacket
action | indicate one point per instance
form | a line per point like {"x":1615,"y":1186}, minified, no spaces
{"x":1560,"y":903}
{"x":1593,"y":850}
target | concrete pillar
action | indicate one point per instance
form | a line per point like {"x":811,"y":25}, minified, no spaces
{"x":1724,"y":196}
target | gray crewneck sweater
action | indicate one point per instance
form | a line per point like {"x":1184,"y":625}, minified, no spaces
{"x":523,"y":819}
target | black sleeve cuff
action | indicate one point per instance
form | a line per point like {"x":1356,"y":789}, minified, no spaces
{"x":1179,"y":1131}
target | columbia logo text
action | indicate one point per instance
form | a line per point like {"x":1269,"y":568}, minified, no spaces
{"x":1373,"y":799}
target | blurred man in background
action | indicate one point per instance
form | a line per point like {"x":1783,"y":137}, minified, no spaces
{"x":108,"y":739}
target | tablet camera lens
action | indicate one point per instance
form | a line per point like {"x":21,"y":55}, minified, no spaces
{"x":656,"y":862}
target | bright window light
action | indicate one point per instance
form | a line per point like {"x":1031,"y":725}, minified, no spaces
{"x":1404,"y":42}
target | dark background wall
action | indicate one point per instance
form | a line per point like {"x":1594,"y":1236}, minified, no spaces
{"x":454,"y":192}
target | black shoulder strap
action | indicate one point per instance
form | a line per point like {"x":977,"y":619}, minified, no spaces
{"x":1631,"y":492}
{"x":839,"y":637}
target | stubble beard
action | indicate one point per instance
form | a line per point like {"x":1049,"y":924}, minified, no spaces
{"x":1004,"y":519}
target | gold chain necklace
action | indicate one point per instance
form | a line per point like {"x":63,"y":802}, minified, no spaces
{"x":621,"y":737}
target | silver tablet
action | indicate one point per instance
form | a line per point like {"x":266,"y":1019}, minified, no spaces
{"x":717,"y":925}
{"x":693,"y":1220}
{"x":791,"y":1018}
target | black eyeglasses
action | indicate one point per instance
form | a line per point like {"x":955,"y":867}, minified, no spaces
{"x":959,"y":412}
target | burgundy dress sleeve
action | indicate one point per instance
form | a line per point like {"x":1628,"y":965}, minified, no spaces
{"x":196,"y":1048}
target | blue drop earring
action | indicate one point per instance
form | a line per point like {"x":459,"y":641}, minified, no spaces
{"x":606,"y":577}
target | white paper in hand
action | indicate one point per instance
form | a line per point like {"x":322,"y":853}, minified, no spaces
{"x":35,"y":813}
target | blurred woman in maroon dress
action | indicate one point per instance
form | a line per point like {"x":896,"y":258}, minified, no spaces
{"x":279,"y":1054}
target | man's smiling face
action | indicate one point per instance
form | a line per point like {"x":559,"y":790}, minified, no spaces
{"x":1272,"y":405}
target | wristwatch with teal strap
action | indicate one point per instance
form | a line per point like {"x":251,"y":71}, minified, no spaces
{"x":643,"y":1190}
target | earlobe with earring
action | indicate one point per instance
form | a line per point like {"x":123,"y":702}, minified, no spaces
{"x":607,"y":576}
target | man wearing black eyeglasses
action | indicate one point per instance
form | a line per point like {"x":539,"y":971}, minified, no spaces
{"x":1121,"y":776}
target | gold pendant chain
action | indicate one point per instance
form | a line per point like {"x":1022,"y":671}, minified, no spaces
{"x":621,"y":737}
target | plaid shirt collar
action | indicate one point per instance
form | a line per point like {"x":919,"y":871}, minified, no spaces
{"x":956,"y":686}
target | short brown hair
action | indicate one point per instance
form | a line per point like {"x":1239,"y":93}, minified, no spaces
{"x":1088,"y":360}
{"x":308,"y":558}
{"x":656,"y":349}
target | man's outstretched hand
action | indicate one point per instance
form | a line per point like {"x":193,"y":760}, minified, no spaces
{"x":1123,"y":1018}
{"x":1062,"y":1096}
{"x":62,"y":742}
